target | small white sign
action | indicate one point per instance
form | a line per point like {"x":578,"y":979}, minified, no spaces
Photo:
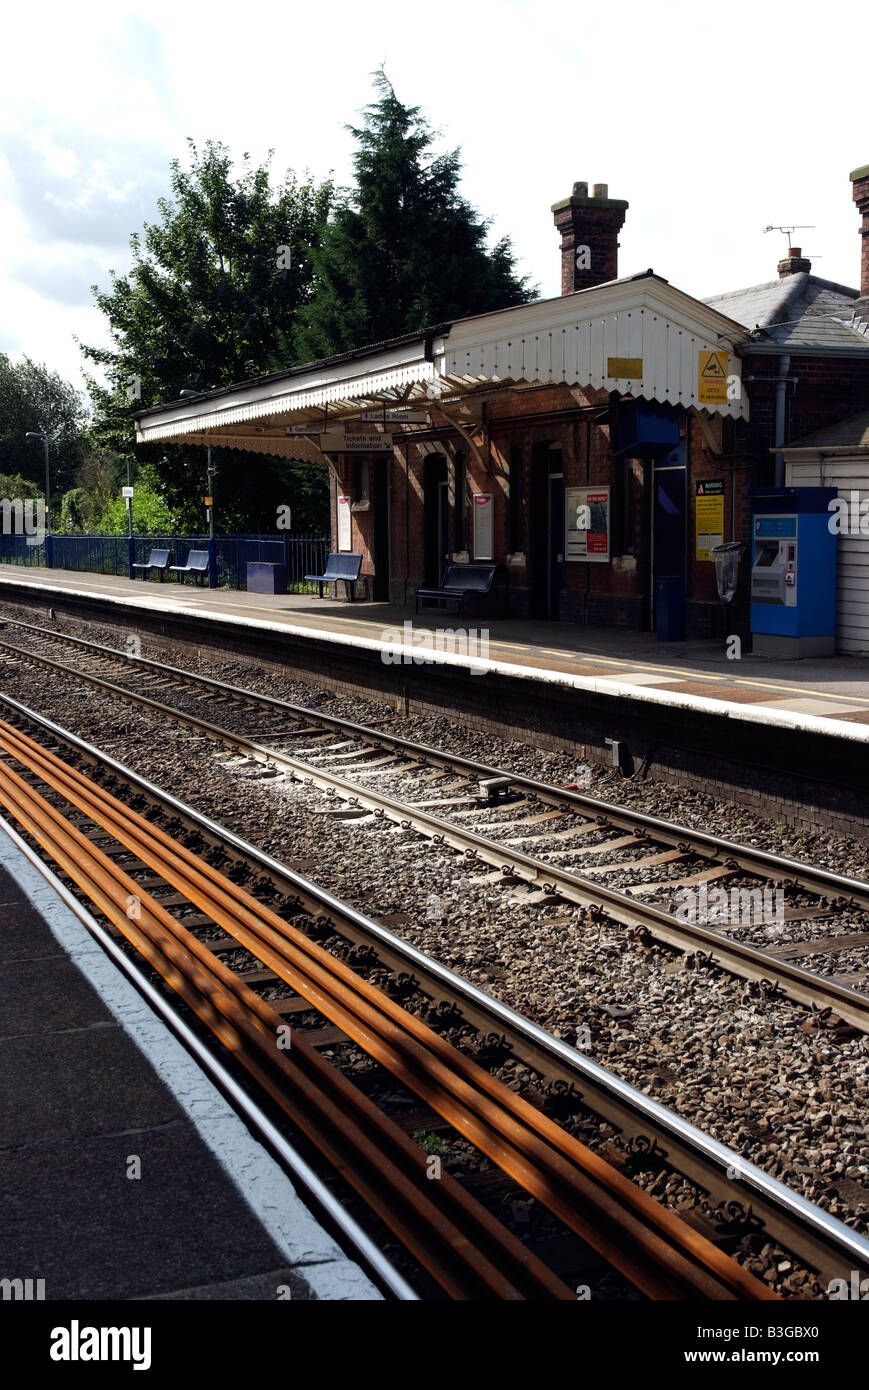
{"x":483,"y":526}
{"x":397,"y":416}
{"x":344,"y":542}
{"x":127,"y":492}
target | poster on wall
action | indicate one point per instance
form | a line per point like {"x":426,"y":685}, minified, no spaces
{"x":343,"y":523}
{"x":708,"y":516}
{"x":587,"y":523}
{"x":483,"y":527}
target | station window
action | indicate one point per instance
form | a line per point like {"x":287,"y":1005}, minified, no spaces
{"x":361,"y":480}
{"x":517,"y":500}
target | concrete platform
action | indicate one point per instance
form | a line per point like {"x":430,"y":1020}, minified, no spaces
{"x":92,"y":1080}
{"x":826,"y":695}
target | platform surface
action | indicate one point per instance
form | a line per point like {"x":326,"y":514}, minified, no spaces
{"x":827,"y":693}
{"x":93,"y":1088}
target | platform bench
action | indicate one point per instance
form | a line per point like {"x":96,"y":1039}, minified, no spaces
{"x":158,"y":560}
{"x":197,"y":563}
{"x":344,"y":567}
{"x":459,"y":581}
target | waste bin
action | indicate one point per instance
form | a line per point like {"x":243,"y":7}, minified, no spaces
{"x":266,"y":579}
{"x":670,"y":609}
{"x":726,"y":560}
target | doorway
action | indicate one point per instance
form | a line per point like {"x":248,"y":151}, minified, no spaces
{"x":380,"y":533}
{"x":669,"y":531}
{"x":436,"y":517}
{"x":546,"y":533}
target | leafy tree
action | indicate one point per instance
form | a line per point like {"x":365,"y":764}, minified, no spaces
{"x":206,"y":304}
{"x":34,"y":398}
{"x":73,"y":510}
{"x":407,"y":251}
{"x":151,"y":513}
{"x":13,"y":485}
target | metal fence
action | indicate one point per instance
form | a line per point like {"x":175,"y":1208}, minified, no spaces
{"x":300,"y":555}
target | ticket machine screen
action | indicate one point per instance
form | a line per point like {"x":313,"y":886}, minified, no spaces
{"x":774,"y":572}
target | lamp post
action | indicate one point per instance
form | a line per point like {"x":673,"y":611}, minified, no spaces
{"x":210,"y":474}
{"x":41,"y":434}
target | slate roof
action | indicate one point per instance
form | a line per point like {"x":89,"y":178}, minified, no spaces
{"x":799,"y":312}
{"x":852,"y":432}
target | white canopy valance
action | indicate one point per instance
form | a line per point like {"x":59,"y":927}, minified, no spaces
{"x":640,"y":325}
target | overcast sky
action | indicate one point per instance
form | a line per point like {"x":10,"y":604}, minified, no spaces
{"x":712,"y":118}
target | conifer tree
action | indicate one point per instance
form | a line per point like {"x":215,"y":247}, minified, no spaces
{"x":406,"y":251}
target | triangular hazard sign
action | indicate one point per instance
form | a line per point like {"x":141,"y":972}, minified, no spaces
{"x":713,"y":367}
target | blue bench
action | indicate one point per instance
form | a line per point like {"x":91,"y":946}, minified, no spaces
{"x":197,"y":564}
{"x":338,"y":567}
{"x":459,"y":581}
{"x":158,"y":560}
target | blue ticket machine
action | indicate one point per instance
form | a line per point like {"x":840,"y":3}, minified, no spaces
{"x":793,"y":572}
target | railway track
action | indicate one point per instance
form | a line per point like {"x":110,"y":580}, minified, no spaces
{"x":455,"y":1238}
{"x":523,"y":1133}
{"x":587,"y":841}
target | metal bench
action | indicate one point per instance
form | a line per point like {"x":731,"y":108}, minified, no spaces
{"x":197,"y":563}
{"x":338,"y":567}
{"x":459,"y":581}
{"x":158,"y":560}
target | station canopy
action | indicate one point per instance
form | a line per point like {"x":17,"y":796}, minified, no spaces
{"x":639,"y":336}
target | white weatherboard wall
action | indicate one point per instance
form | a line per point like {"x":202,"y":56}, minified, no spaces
{"x":848,"y":473}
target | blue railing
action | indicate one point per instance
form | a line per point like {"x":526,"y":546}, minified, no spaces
{"x":300,"y":555}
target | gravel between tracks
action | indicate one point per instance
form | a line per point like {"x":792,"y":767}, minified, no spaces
{"x":752,"y":1071}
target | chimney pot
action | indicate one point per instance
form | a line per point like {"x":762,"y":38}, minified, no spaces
{"x":794,"y":263}
{"x":600,"y":190}
{"x":580,"y":190}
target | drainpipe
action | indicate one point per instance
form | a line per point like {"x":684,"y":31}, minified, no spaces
{"x":780,"y":401}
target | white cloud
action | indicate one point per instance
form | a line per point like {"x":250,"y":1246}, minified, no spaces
{"x":712,"y":123}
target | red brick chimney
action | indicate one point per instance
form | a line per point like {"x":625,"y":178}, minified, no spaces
{"x":589,"y":227}
{"x":794,"y":263}
{"x":860,"y":180}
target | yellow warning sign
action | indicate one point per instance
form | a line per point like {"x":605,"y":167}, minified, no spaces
{"x":712,"y":378}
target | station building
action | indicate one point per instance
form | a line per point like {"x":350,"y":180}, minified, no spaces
{"x":596,"y":446}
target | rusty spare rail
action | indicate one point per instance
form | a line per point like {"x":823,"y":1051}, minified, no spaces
{"x":650,"y":1245}
{"x":822,"y":1242}
{"x":739,"y":958}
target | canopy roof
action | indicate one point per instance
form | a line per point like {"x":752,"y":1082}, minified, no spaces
{"x":572,"y":340}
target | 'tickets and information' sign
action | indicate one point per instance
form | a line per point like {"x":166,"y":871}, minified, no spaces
{"x":708,"y":516}
{"x":587,"y":523}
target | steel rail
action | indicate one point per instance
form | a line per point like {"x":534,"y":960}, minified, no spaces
{"x":815,"y":879}
{"x":825,"y":1243}
{"x":461,"y":1245}
{"x":634,"y":1232}
{"x":737,"y":957}
{"x":351,"y":1235}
